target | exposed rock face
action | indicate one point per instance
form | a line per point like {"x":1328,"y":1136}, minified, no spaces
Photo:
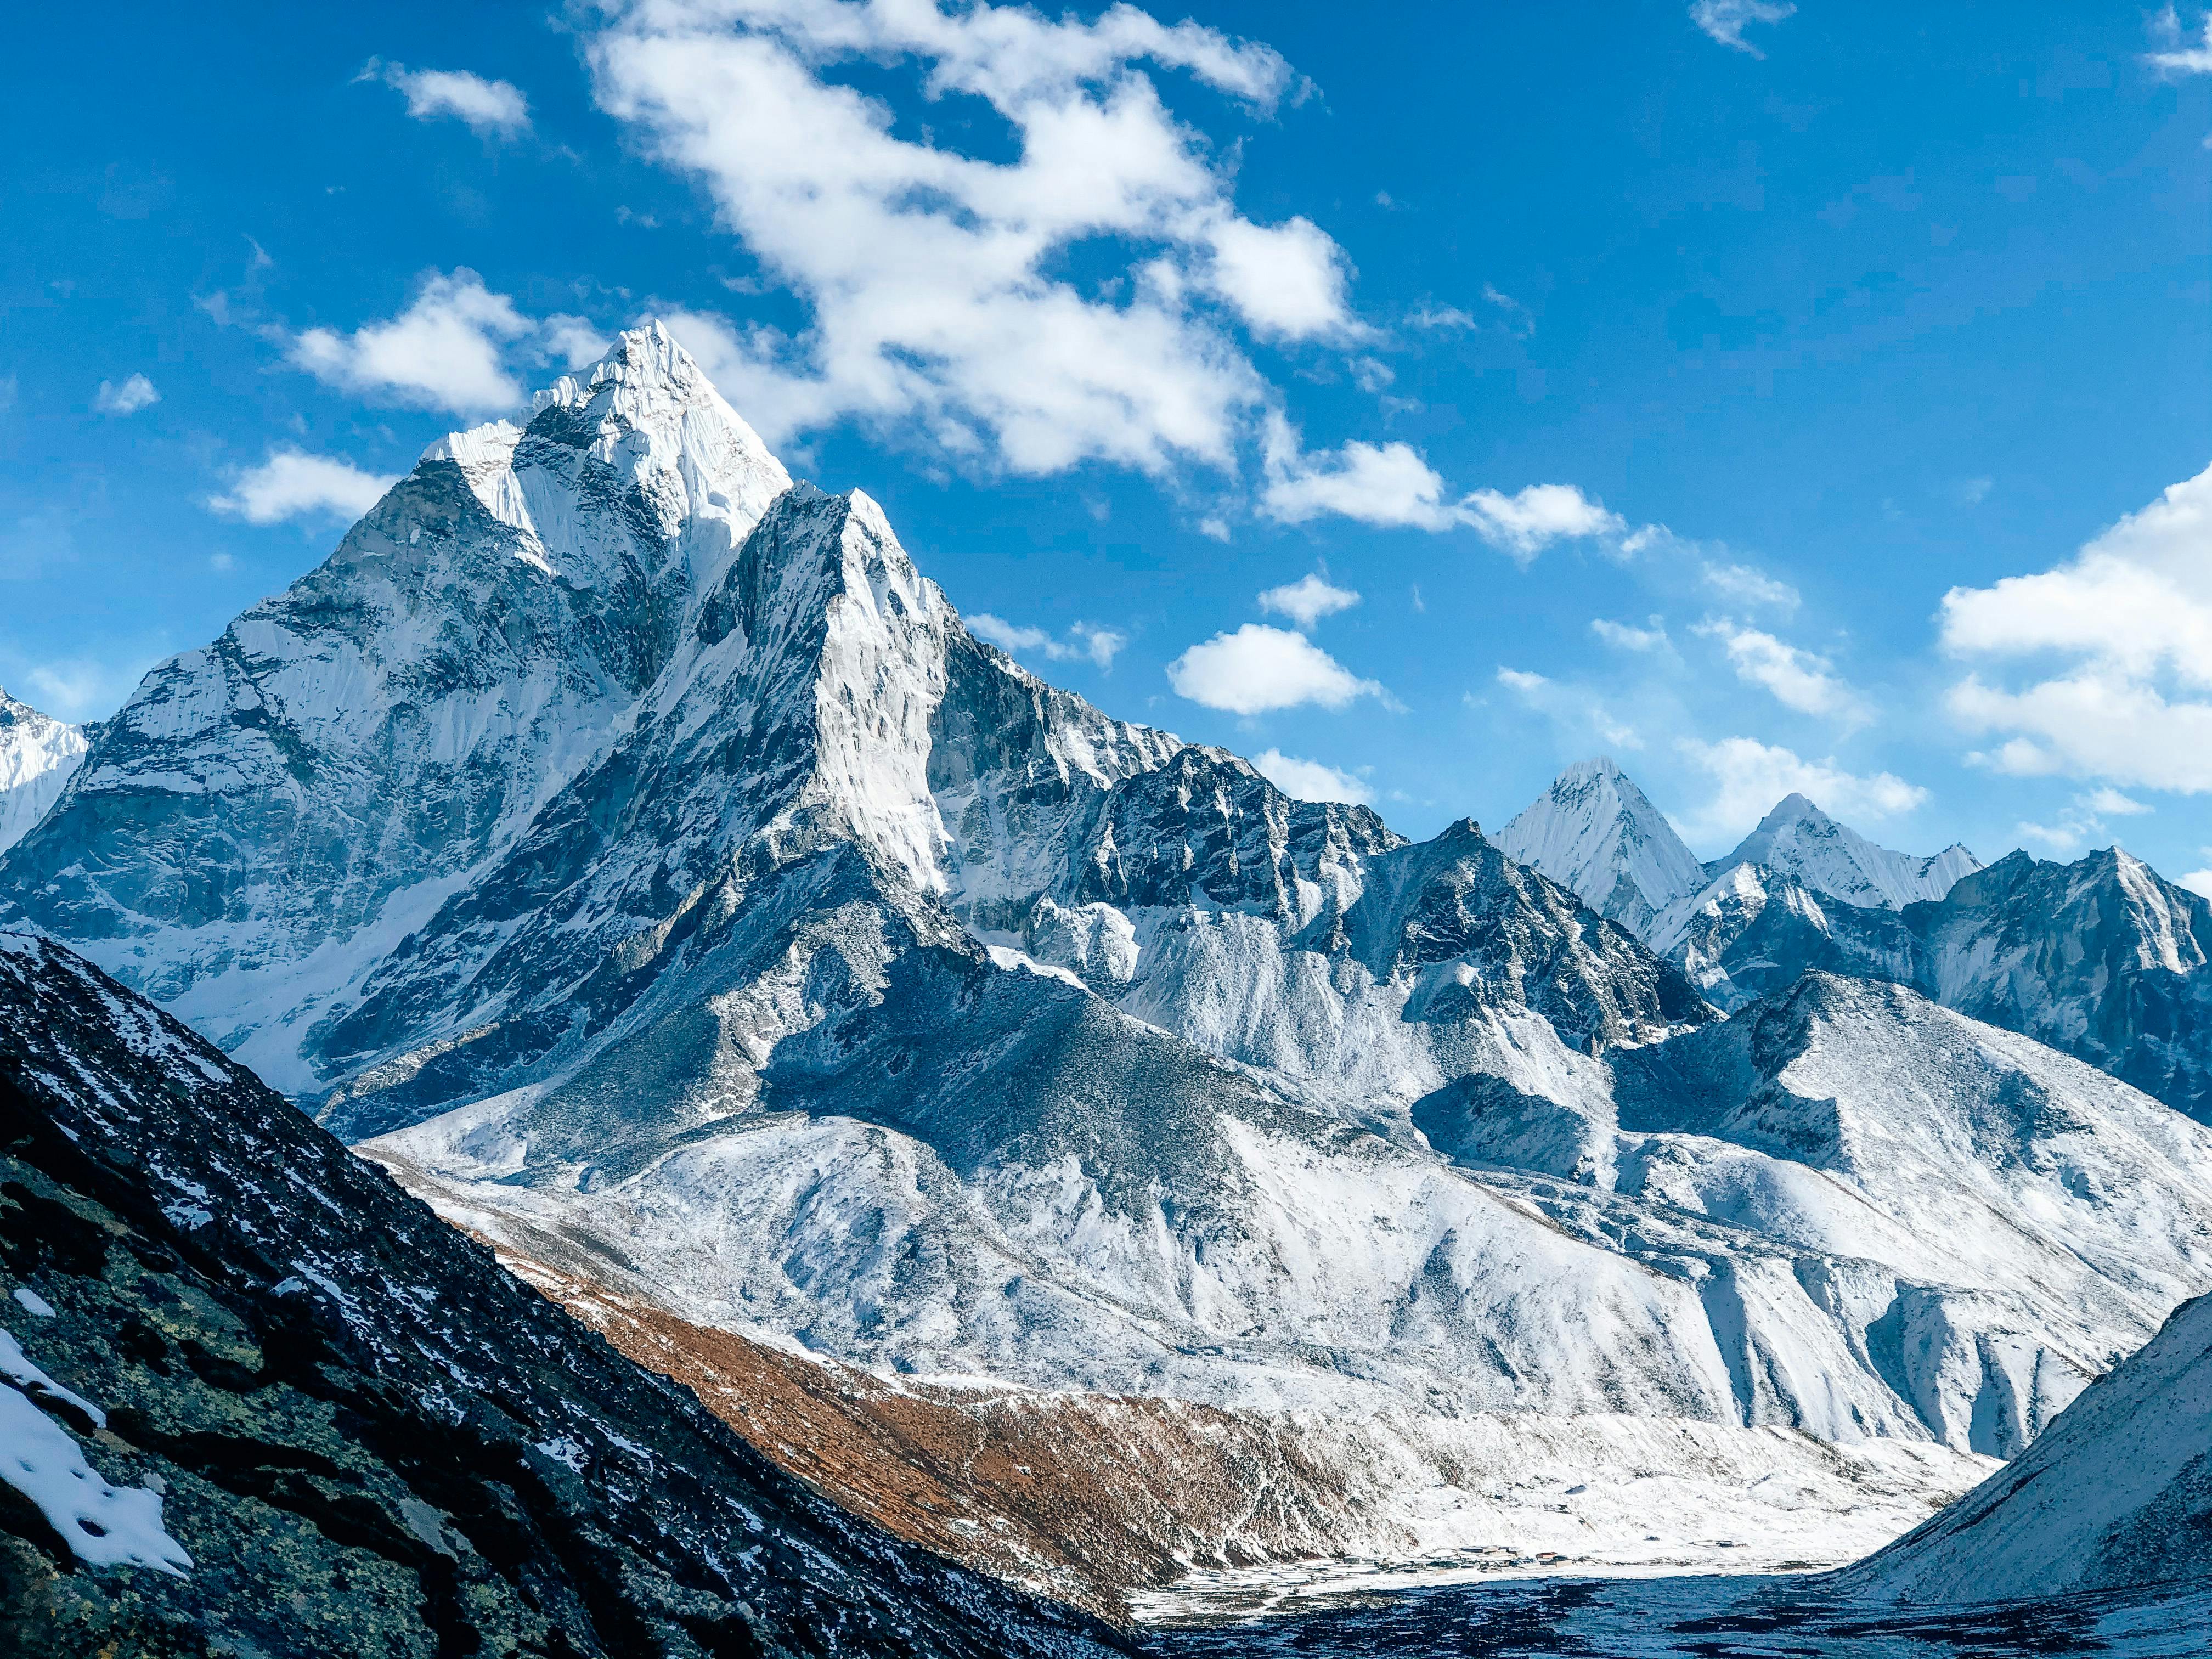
{"x":2116,"y":1495}
{"x":367,"y":1436}
{"x":37,"y":755}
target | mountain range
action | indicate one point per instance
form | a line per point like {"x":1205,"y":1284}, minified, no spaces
{"x":628,"y":848}
{"x":2103,"y":958}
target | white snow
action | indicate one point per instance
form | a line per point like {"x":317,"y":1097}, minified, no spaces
{"x":38,"y":755}
{"x":105,"y":1525}
{"x":34,"y":1302}
{"x":1798,"y":839}
{"x":1596,"y":832}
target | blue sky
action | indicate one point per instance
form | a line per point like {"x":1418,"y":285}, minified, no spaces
{"x":1652,"y":372}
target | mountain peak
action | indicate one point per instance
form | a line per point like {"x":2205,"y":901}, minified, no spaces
{"x":38,"y":753}
{"x":1596,"y":832}
{"x":1797,"y":839}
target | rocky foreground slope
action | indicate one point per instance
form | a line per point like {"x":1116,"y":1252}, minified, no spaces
{"x":261,"y":1401}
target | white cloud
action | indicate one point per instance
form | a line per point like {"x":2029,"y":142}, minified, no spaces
{"x":1259,"y":669}
{"x":1746,"y":586}
{"x":1797,"y":678}
{"x":2179,"y":58}
{"x":1972,"y":492}
{"x":1524,"y":524}
{"x":1749,"y":777}
{"x":2117,"y":645}
{"x":293,"y":484}
{"x":1100,"y":644}
{"x":1726,"y":19}
{"x":2112,"y":803}
{"x":495,"y":108}
{"x":1439,"y":318}
{"x":571,"y":342}
{"x":1519,"y":322}
{"x":932,"y":274}
{"x":1390,"y":486}
{"x":1623,"y":637}
{"x":134,"y":394}
{"x":1305,"y":780}
{"x":445,"y":351}
{"x":222,"y":562}
{"x":2081,"y":822}
{"x":1308,"y":599}
{"x":1577,"y":708}
{"x":81,"y":688}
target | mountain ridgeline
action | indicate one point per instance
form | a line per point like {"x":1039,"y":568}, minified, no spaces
{"x":630,"y":849}
{"x":2103,"y":958}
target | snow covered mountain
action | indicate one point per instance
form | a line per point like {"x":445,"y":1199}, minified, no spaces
{"x":1799,"y":841}
{"x":2103,"y":958}
{"x":269,"y":815}
{"x":37,"y":755}
{"x":333,"y":1425}
{"x":1594,"y":831}
{"x":634,"y":850}
{"x":2114,"y":1496}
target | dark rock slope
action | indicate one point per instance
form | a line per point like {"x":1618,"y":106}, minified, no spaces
{"x":367,"y":1437}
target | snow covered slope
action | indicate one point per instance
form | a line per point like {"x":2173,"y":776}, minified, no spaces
{"x":1799,"y":841}
{"x":37,"y":755}
{"x":2117,"y":1494}
{"x":1596,"y":832}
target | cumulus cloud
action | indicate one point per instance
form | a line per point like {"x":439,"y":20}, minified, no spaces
{"x":1797,"y":678}
{"x":1575,"y":708}
{"x":1308,"y":599}
{"x":447,"y":350}
{"x":1099,"y":645}
{"x":932,"y":274}
{"x":134,"y":394}
{"x":1749,"y":777}
{"x":1746,"y":586}
{"x":2117,"y":649}
{"x":1305,"y":780}
{"x":1726,"y":19}
{"x":493,"y":108}
{"x":1259,"y":669}
{"x":1622,"y":637}
{"x":293,"y":484}
{"x":1390,"y":486}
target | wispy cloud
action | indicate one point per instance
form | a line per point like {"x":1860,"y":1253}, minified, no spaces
{"x":1798,"y":679}
{"x":1099,"y":645}
{"x":493,"y":108}
{"x":1726,"y":19}
{"x":1749,"y":777}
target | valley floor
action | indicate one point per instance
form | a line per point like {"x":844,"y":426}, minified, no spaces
{"x":1712,"y":1618}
